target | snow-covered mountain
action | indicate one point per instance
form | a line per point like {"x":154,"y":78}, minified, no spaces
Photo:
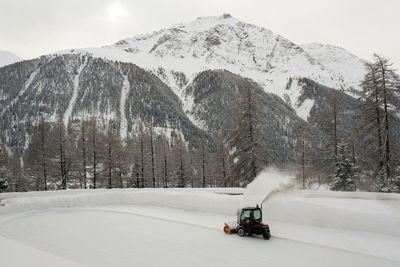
{"x":186,"y":78}
{"x":7,"y":58}
{"x":76,"y":87}
{"x":248,"y":50}
{"x":339,"y":62}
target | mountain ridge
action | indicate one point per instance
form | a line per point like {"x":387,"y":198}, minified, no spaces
{"x":224,"y":42}
{"x":173,"y":75}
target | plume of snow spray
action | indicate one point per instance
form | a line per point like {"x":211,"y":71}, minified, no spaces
{"x":268,"y":183}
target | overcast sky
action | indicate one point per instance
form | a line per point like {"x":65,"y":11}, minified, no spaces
{"x":30,"y":28}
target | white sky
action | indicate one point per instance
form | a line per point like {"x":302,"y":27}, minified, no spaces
{"x":30,"y":28}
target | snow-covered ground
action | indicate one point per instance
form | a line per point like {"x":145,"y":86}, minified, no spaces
{"x":183,"y":227}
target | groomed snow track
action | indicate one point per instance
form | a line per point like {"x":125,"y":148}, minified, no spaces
{"x":166,"y":227}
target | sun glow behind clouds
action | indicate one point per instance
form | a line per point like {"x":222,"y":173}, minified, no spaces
{"x":115,"y":12}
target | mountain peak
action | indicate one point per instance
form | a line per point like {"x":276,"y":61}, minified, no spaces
{"x":226,"y":16}
{"x":7,"y":58}
{"x":251,"y":51}
{"x":223,"y":16}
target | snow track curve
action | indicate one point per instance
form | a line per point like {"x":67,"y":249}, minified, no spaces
{"x":120,"y":236}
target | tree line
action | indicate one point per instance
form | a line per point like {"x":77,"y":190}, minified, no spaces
{"x":90,"y":157}
{"x":364,"y":156}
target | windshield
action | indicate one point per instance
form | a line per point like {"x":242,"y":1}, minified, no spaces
{"x":245,"y":215}
{"x":250,"y":216}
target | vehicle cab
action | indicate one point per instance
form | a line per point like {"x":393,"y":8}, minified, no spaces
{"x":249,"y":216}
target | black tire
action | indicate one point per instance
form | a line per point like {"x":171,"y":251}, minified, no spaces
{"x":266,"y":235}
{"x":241,"y":231}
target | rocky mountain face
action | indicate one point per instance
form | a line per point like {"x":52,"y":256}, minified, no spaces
{"x":75,"y":87}
{"x":349,"y":125}
{"x":214,"y":94}
{"x":186,"y":78}
{"x":244,"y":49}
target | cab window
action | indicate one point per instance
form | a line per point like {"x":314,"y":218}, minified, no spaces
{"x":245,"y":215}
{"x":257,"y":215}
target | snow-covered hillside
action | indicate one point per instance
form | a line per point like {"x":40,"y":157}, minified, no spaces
{"x":184,"y":227}
{"x":225,"y":42}
{"x":338,"y":61}
{"x":7,"y":58}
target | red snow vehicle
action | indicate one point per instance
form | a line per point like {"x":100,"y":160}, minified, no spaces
{"x":249,"y":221}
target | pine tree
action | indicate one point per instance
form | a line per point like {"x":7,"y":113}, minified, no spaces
{"x":121,"y":157}
{"x":203,"y":156}
{"x":58,"y":147}
{"x":303,"y":161}
{"x":4,"y":159}
{"x":165,"y":159}
{"x":344,"y":179}
{"x":388,"y":82}
{"x":221,"y":157}
{"x":110,"y":156}
{"x":249,"y":154}
{"x":191,"y":169}
{"x":83,"y":142}
{"x":95,"y":147}
{"x":133,"y":148}
{"x":37,"y":156}
{"x":3,"y":184}
{"x":330,"y":123}
{"x":179,"y":152}
{"x":114,"y":165}
{"x":371,"y":113}
{"x":15,"y":177}
{"x":141,"y":140}
{"x":162,"y":162}
{"x":396,"y":180}
{"x":151,"y":143}
{"x":380,"y":93}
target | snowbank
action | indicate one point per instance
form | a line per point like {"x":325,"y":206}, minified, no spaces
{"x":357,"y":211}
{"x":215,"y":200}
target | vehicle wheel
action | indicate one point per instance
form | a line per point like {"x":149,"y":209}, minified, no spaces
{"x":266,"y":235}
{"x":241,"y":231}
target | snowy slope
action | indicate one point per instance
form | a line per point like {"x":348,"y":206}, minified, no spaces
{"x":7,"y":58}
{"x":184,"y":226}
{"x":227,"y":43}
{"x":67,"y":114}
{"x":338,"y":61}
